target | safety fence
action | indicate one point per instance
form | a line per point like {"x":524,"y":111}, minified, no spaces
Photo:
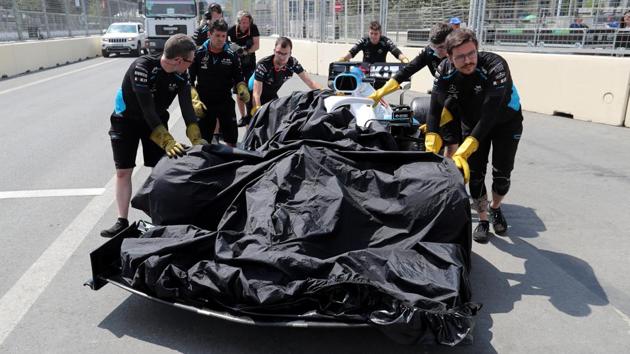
{"x":574,"y":26}
{"x":42,"y":19}
{"x":540,"y":25}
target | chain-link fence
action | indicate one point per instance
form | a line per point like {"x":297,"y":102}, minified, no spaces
{"x":580,"y":26}
{"x":41,"y":19}
{"x":530,"y":25}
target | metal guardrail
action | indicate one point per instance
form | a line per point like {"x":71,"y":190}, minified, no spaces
{"x":562,"y":40}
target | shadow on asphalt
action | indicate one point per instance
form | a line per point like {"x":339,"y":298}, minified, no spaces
{"x":523,"y":221}
{"x":571,"y":286}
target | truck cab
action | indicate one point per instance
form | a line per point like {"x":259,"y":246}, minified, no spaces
{"x":164,"y":18}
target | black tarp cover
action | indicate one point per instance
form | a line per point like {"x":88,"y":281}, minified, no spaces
{"x":303,"y":227}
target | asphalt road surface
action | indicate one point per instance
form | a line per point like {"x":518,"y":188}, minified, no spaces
{"x":559,"y":283}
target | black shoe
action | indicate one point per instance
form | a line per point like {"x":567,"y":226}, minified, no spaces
{"x":499,"y":224}
{"x":120,"y":225}
{"x":244,"y":121}
{"x":482,"y":232}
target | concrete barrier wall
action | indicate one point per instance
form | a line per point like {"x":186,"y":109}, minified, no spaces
{"x":591,"y":88}
{"x":588,"y":87}
{"x":18,"y":58}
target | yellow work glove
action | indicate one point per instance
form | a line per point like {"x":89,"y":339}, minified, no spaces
{"x":404,"y":60}
{"x":165,"y":140}
{"x":198,"y":106}
{"x":194,"y":134}
{"x":462,"y":165}
{"x":433,"y":143}
{"x":342,"y":59}
{"x":468,"y":147}
{"x":390,"y":86}
{"x":242,"y":92}
{"x":445,"y":117}
{"x":254,"y":110}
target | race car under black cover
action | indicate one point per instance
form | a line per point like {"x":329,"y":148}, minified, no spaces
{"x":312,"y":220}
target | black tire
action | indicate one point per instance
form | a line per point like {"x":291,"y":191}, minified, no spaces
{"x":420,"y":107}
{"x":105,"y":53}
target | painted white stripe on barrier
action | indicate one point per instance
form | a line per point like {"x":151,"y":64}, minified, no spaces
{"x":18,"y":300}
{"x":55,"y":77}
{"x":43,"y":193}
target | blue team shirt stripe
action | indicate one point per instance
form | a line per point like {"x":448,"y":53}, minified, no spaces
{"x":250,"y":83}
{"x":515,"y":100}
{"x":119,"y":102}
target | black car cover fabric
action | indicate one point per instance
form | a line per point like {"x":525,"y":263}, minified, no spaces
{"x":299,"y":226}
{"x":302,"y":115}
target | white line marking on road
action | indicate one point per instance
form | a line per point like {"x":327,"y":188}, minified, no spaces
{"x":54,"y":77}
{"x":43,"y":193}
{"x":16,"y":302}
{"x":623,"y":316}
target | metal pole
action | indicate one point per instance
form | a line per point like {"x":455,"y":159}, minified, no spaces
{"x":362,"y":15}
{"x":46,"y":19}
{"x":482,"y":19}
{"x":68,"y":23}
{"x":18,"y":19}
{"x":280,"y":18}
{"x":300,"y":19}
{"x":559,"y":11}
{"x":109,"y":13}
{"x":397,"y":17}
{"x":383,"y":16}
{"x":322,"y":20}
{"x":85,"y":15}
{"x":345,"y":20}
{"x":334,"y":17}
{"x":471,"y":13}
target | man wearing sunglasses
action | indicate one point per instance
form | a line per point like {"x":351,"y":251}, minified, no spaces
{"x":216,"y":70}
{"x":479,"y":86}
{"x":274,"y":70}
{"x":141,"y":115}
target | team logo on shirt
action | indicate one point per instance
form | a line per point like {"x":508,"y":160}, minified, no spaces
{"x":226,"y":61}
{"x":140,"y":73}
{"x":172,"y":86}
{"x":204,"y":61}
{"x":477,"y":89}
{"x":498,"y":82}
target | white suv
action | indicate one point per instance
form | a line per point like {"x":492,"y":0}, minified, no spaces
{"x":123,"y":37}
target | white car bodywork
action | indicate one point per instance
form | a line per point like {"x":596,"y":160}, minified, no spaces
{"x":359,"y":104}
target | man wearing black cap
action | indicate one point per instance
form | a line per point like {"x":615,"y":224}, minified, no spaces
{"x":214,"y":13}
